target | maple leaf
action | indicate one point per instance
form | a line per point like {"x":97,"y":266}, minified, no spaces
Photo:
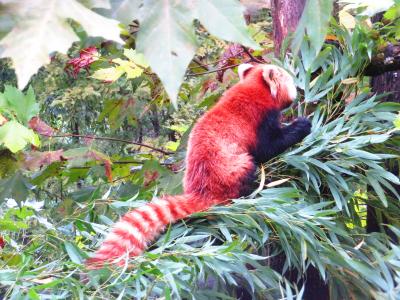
{"x":86,"y":57}
{"x":16,"y":136}
{"x":133,"y":68}
{"x":39,"y":126}
{"x":149,"y":177}
{"x":3,"y":120}
{"x":79,"y":156}
{"x":36,"y":159}
{"x":41,"y":29}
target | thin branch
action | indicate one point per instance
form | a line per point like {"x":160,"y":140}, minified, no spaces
{"x":138,"y":162}
{"x":213,"y":62}
{"x":109,"y":139}
{"x":384,"y":62}
{"x":216,"y":70}
{"x":245,"y":50}
{"x":253,"y":58}
{"x":200,"y":65}
{"x":121,"y":163}
{"x":378,"y":68}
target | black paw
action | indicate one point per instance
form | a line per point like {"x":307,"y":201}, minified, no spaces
{"x":302,"y":126}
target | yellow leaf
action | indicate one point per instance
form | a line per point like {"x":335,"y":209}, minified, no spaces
{"x":261,"y":185}
{"x":277,"y":182}
{"x":128,"y":67}
{"x":172,"y":145}
{"x":347,"y":20}
{"x":44,"y":280}
{"x":133,"y":72}
{"x":351,"y":80}
{"x":396,"y":122}
{"x":108,"y":74}
{"x":137,"y":58}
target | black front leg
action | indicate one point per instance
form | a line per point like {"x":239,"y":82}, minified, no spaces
{"x":295,"y":132}
{"x":274,"y":139}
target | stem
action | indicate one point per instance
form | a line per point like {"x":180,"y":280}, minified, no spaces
{"x":204,"y":65}
{"x":253,"y":58}
{"x":108,"y":139}
{"x":216,"y":70}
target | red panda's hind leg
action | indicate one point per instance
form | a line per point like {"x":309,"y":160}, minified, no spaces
{"x":248,"y":182}
{"x":236,"y":174}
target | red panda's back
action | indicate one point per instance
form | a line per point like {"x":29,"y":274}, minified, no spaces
{"x":218,"y":150}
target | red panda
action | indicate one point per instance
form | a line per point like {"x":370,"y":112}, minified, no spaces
{"x":225,"y":145}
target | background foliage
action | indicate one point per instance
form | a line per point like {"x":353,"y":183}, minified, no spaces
{"x":96,"y":133}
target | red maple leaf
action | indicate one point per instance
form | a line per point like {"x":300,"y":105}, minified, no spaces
{"x":107,"y":162}
{"x":86,"y":57}
{"x":36,"y":159}
{"x":149,"y":177}
{"x":2,"y":242}
{"x":108,"y":170}
{"x":209,"y":85}
{"x":39,"y":126}
{"x":3,"y":120}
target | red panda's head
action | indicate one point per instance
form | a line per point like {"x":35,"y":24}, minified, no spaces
{"x":280,"y":82}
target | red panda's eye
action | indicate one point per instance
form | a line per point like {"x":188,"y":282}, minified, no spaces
{"x":271,"y":74}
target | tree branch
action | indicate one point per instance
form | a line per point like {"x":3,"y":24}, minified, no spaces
{"x":253,"y":58}
{"x":123,"y":163}
{"x":216,"y":70}
{"x":109,"y":139}
{"x":387,"y":61}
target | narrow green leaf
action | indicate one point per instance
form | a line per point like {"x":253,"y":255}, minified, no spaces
{"x":378,"y":189}
{"x":224,"y":19}
{"x":73,"y":252}
{"x":167,"y":23}
{"x":314,"y":23}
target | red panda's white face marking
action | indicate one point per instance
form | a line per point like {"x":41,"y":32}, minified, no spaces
{"x":242,"y":70}
{"x":280,"y":82}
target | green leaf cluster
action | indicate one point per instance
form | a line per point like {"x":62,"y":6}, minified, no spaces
{"x":20,"y":108}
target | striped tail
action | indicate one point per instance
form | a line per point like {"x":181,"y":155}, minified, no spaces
{"x":131,"y":235}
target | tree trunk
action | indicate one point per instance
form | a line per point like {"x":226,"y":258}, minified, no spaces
{"x":154,"y":119}
{"x":285,"y":16}
{"x":75,"y":131}
{"x":388,"y":82}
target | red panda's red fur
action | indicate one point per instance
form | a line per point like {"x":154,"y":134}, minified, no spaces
{"x":219,"y":163}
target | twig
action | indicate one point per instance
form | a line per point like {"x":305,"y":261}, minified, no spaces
{"x":109,"y":139}
{"x":216,"y":70}
{"x":121,"y":163}
{"x":388,"y":61}
{"x":200,"y":65}
{"x":253,"y":58}
{"x":213,"y":62}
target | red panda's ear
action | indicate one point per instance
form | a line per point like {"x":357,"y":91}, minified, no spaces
{"x":243,"y":69}
{"x":270,"y":77}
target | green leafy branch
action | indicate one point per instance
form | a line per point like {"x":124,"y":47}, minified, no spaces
{"x":19,"y":108}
